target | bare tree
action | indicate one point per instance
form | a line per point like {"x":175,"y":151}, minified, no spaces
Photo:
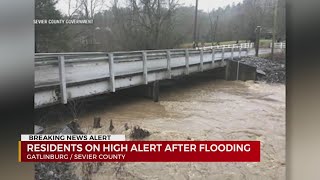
{"x":148,"y":20}
{"x":155,"y":24}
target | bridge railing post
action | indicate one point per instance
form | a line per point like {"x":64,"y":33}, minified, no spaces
{"x":248,"y":48}
{"x":213,"y":55}
{"x":111,"y":72}
{"x":187,"y":61}
{"x":232,"y":53}
{"x":169,"y":63}
{"x":145,"y":68}
{"x":222,"y":54}
{"x":201,"y":60}
{"x":62,"y":77}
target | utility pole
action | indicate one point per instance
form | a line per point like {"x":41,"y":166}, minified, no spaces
{"x":195,"y":42}
{"x":215,"y":28}
{"x":211,"y":29}
{"x":275,"y":14}
{"x":257,"y":31}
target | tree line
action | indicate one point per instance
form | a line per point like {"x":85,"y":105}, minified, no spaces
{"x":151,"y":24}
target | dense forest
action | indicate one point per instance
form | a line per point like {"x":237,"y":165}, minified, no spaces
{"x":151,"y":24}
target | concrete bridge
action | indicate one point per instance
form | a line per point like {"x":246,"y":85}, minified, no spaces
{"x":61,"y":77}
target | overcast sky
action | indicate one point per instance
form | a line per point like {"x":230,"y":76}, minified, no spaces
{"x":209,"y":4}
{"x":204,"y":5}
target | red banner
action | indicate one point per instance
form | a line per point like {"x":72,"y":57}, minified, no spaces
{"x":139,"y":151}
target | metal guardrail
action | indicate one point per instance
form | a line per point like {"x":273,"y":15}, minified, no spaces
{"x":112,"y":58}
{"x":52,"y":58}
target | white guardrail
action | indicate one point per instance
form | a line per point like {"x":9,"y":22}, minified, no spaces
{"x":63,"y":76}
{"x":241,"y":45}
{"x":280,"y":45}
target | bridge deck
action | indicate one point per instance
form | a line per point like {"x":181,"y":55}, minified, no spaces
{"x":90,"y":74}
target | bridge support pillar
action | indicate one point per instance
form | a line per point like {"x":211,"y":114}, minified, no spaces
{"x":155,"y":91}
{"x":151,"y":91}
{"x":239,"y":71}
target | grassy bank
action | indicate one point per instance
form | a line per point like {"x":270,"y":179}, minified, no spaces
{"x":278,"y":56}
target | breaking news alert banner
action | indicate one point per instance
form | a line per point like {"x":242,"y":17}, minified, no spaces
{"x":114,"y":148}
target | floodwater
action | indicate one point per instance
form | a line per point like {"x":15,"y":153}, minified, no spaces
{"x":198,"y":110}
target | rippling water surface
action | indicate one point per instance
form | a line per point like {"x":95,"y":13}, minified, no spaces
{"x":198,"y":110}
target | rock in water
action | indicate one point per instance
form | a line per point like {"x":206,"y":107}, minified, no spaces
{"x":38,"y":129}
{"x":75,"y":127}
{"x":66,"y":130}
{"x":71,"y":128}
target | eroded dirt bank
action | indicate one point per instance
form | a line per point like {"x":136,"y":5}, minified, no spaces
{"x":198,"y":110}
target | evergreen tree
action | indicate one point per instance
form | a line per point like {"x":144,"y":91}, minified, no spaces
{"x":49,"y":37}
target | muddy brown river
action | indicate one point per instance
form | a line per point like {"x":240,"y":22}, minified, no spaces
{"x":197,"y":110}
